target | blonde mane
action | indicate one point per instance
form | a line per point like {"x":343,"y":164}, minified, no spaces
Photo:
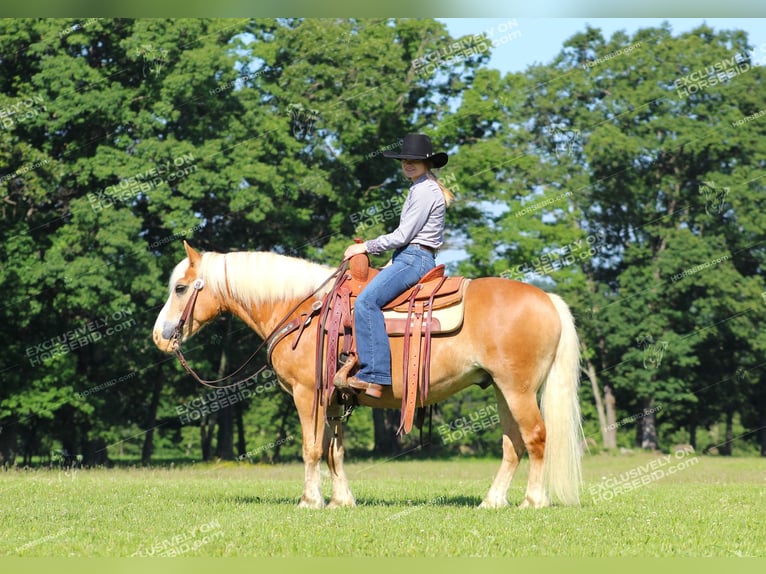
{"x":254,"y":277}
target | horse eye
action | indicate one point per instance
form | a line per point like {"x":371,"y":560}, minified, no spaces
{"x":181,"y":289}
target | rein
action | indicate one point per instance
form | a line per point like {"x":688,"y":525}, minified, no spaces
{"x":188,"y":313}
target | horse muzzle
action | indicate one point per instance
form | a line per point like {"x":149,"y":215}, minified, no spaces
{"x":165,"y":338}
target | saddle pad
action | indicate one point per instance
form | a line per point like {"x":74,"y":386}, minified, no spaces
{"x":445,"y":320}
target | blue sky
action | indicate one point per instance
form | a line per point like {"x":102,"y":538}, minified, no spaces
{"x":538,"y":40}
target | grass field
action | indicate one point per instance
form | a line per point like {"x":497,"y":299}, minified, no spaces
{"x":706,"y":507}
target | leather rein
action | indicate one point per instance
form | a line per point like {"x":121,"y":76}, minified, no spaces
{"x":269,"y":342}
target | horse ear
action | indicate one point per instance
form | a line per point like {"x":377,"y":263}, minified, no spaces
{"x":194,"y":256}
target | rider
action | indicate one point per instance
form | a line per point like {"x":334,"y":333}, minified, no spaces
{"x":415,"y":243}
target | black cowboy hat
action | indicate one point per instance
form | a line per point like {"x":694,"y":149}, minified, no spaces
{"x":418,"y":146}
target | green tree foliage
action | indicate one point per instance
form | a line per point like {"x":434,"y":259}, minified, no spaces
{"x":641,"y":147}
{"x":619,"y":175}
{"x":122,"y":137}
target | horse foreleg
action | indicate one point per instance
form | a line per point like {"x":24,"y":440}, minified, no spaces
{"x":341,"y":493}
{"x":513,"y":448}
{"x":312,"y":429}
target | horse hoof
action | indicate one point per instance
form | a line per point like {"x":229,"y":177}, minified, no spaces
{"x":348,"y":503}
{"x":527,"y":503}
{"x":494,"y":504}
{"x":314,"y":504}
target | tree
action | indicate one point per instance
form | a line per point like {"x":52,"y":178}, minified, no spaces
{"x":122,"y":137}
{"x":640,"y":138}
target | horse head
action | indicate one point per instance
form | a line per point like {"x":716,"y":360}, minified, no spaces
{"x":188,"y":296}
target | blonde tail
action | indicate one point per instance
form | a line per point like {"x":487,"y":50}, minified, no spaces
{"x":561,"y":412}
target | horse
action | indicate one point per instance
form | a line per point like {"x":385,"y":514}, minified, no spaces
{"x":514,"y":336}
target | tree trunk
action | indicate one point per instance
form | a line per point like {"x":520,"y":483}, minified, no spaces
{"x":95,"y":453}
{"x":241,"y":442}
{"x":762,"y":431}
{"x":610,"y":439}
{"x":725,"y":448}
{"x":68,"y":436}
{"x":206,"y":427}
{"x":151,"y":417}
{"x":693,"y":435}
{"x":8,"y":442}
{"x":225,"y":443}
{"x":649,"y":426}
{"x":27,"y":445}
{"x":386,"y":421}
{"x":590,"y":371}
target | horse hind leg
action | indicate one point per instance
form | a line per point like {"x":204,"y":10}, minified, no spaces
{"x":523,"y":429}
{"x":530,"y":420}
{"x":513,"y":448}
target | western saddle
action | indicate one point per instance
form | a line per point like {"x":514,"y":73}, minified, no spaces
{"x":410,"y":315}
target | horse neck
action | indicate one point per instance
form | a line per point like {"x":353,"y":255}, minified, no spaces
{"x":262,"y":288}
{"x":263,"y":318}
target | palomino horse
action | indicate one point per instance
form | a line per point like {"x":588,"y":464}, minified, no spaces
{"x":514,"y":336}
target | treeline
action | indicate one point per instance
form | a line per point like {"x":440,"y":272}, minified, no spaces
{"x":620,"y":175}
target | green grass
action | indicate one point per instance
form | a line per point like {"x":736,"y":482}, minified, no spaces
{"x":715,"y":507}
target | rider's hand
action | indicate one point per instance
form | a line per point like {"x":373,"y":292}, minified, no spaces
{"x":355,"y":249}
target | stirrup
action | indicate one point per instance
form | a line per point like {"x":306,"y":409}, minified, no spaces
{"x":340,"y":380}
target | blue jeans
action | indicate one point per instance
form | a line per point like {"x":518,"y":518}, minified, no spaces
{"x":408,"y":265}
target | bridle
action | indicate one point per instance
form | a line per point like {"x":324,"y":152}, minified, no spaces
{"x":268,"y":342}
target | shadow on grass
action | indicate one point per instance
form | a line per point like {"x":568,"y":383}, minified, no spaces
{"x":362,"y":502}
{"x":444,"y":501}
{"x":249,"y":499}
